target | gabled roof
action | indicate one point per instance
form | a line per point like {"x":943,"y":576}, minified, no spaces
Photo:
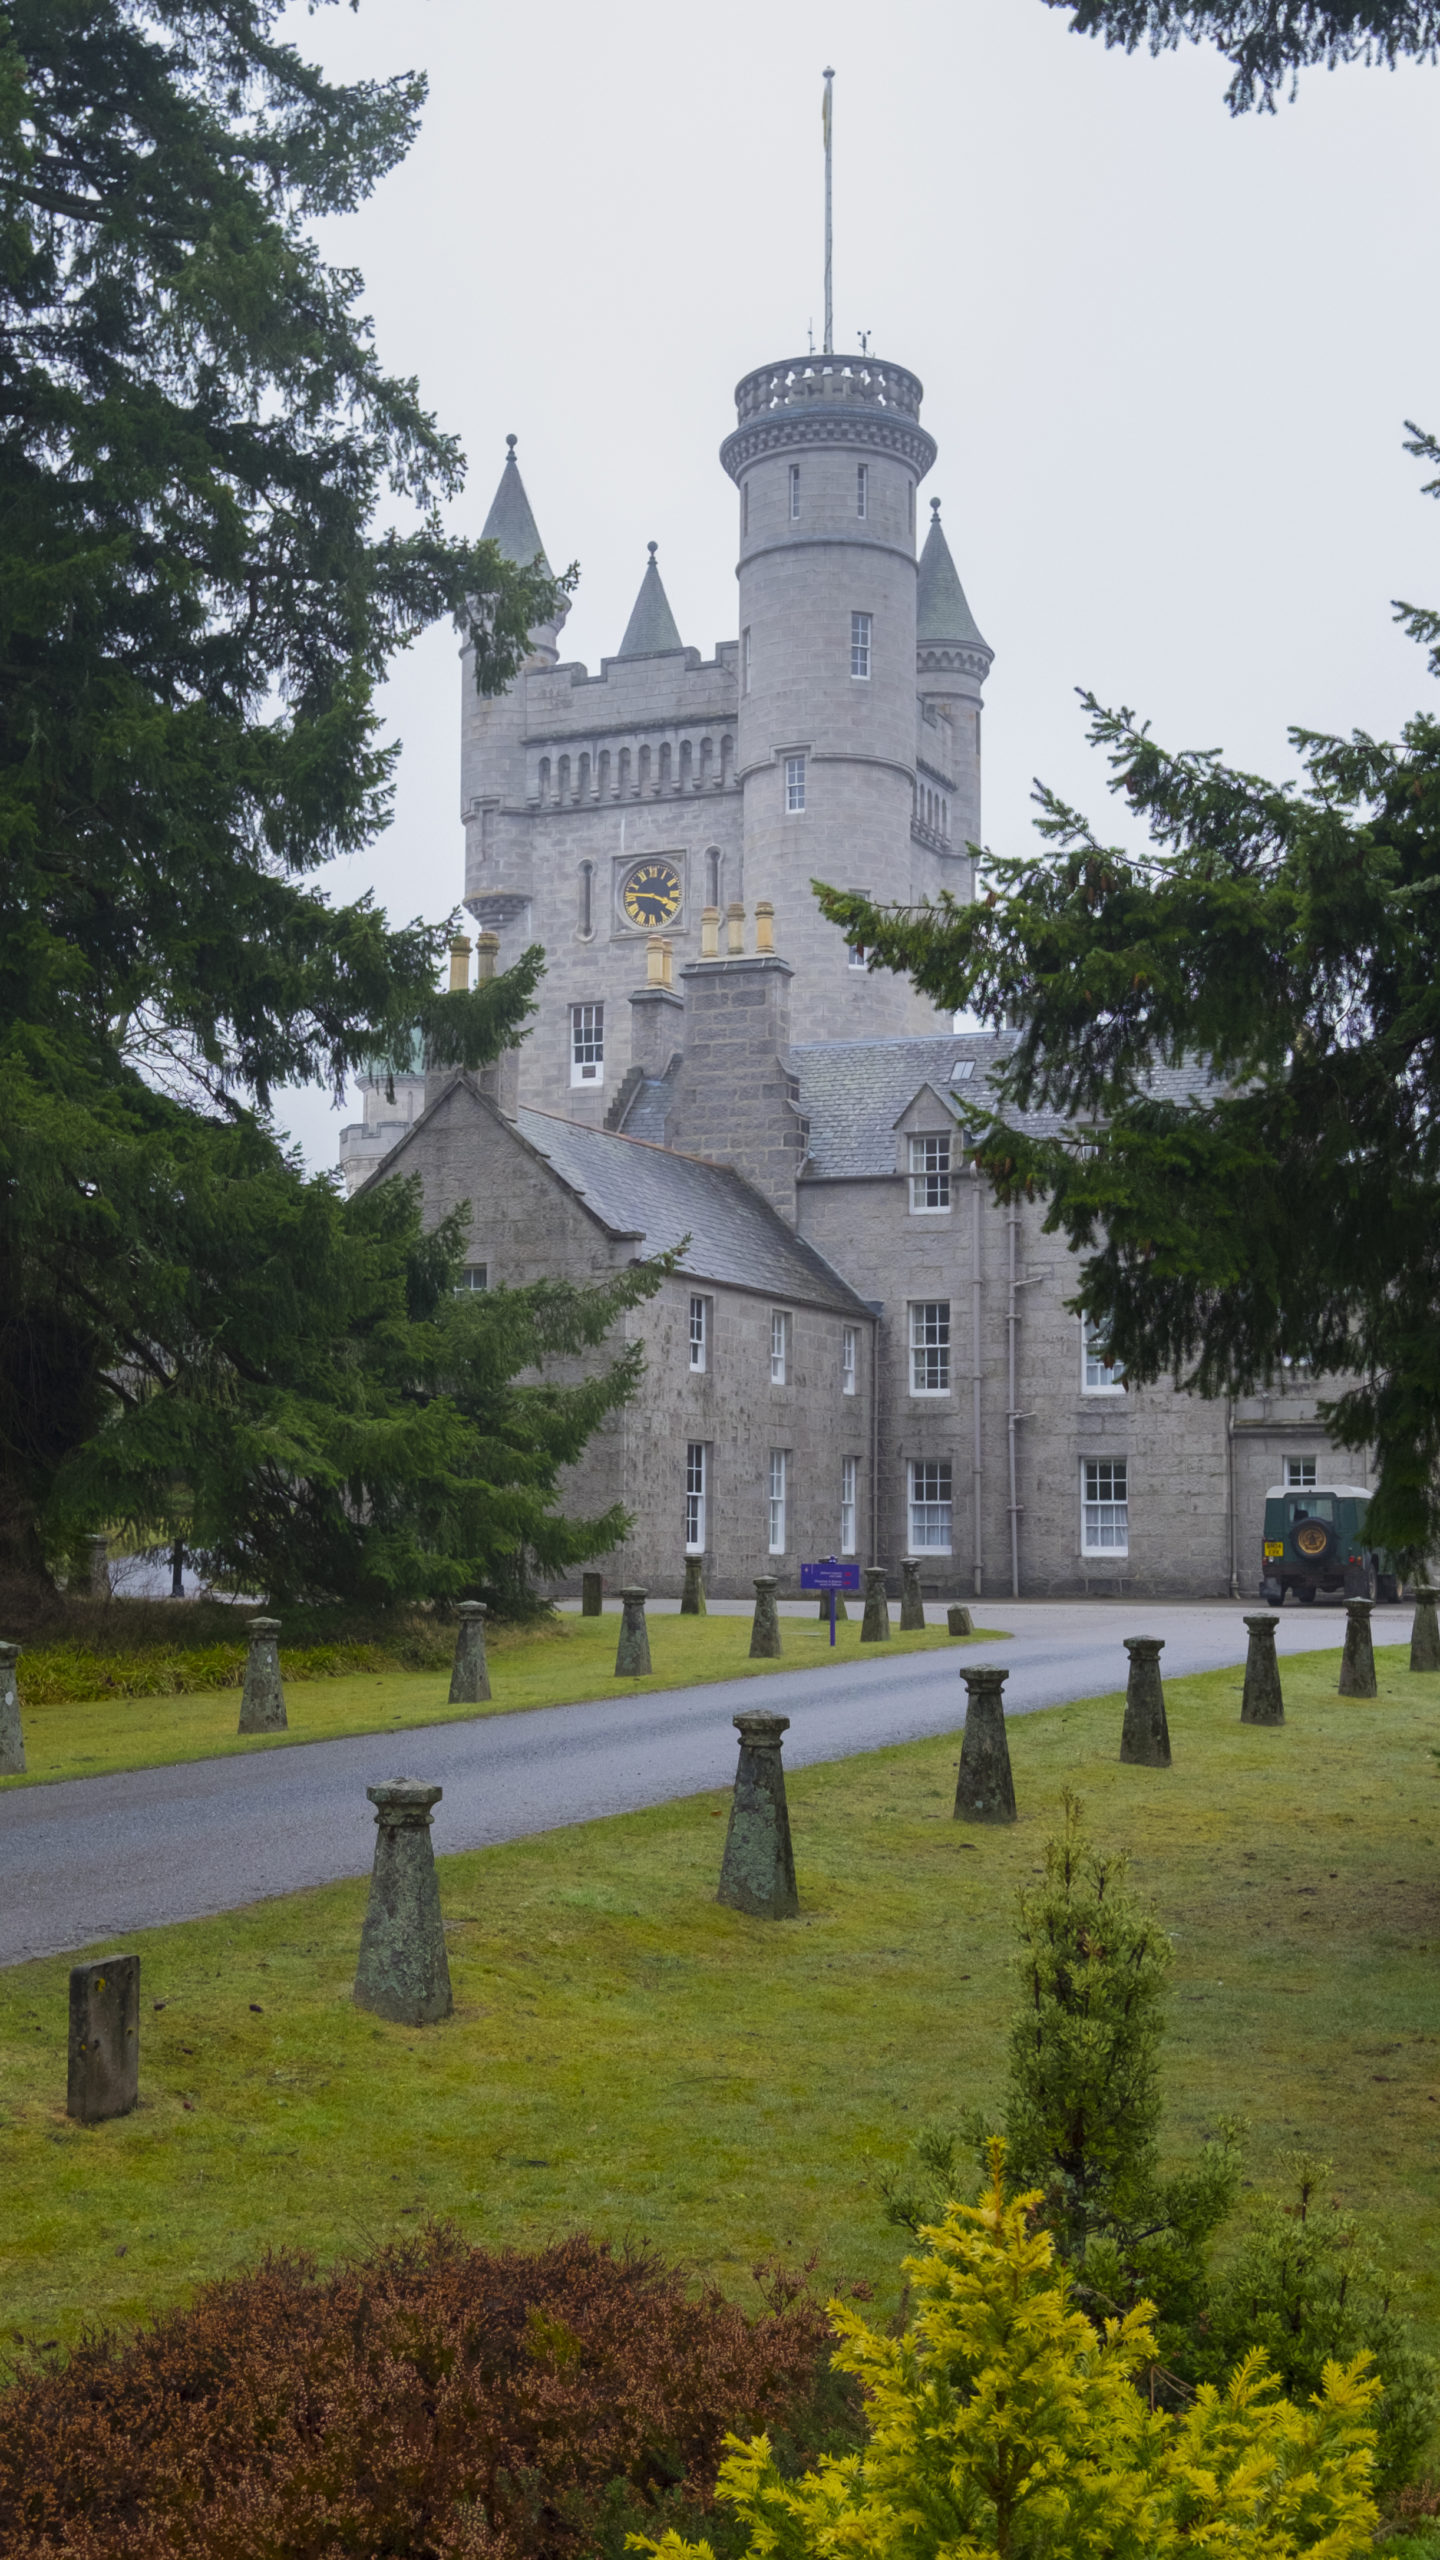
{"x":736,"y":1238}
{"x":650,"y":631}
{"x":943,"y":619}
{"x":852,"y":1092}
{"x":510,"y":521}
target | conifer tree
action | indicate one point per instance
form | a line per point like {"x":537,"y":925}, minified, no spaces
{"x":1277,"y":947}
{"x":197,"y":602}
{"x":1268,"y":41}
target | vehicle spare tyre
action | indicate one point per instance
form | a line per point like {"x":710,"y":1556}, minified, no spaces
{"x":1314,"y":1542}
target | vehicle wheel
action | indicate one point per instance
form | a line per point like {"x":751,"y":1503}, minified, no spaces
{"x":1388,"y":1586}
{"x":1307,"y":1593}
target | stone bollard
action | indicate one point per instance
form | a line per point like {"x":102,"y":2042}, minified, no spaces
{"x":765,"y":1626}
{"x":757,"y":1872}
{"x":1424,"y":1633}
{"x":875,"y":1625}
{"x":262,"y":1700}
{"x":692,"y":1598}
{"x":12,"y":1739}
{"x":470,"y":1672}
{"x":591,"y":1590}
{"x":912,"y":1607}
{"x":1357,"y":1662}
{"x":985,"y":1789}
{"x":99,"y":1545}
{"x":103,"y":2078}
{"x":823,"y":1612}
{"x":632,"y":1653}
{"x":1145,"y":1736}
{"x":404,"y":1973}
{"x":959,"y":1620}
{"x":1262,"y":1702}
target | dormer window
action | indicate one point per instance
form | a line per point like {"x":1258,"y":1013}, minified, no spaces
{"x":930,"y":1173}
{"x":962,"y":1071}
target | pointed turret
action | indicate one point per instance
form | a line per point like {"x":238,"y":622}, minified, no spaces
{"x":943,"y":619}
{"x":511,"y":524}
{"x":650,"y":631}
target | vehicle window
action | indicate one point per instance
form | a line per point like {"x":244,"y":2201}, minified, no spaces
{"x":1316,"y":1506}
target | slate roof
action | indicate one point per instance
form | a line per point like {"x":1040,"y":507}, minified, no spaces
{"x":650,"y":631}
{"x":646,"y":1192}
{"x":852,"y":1092}
{"x":649,"y":1111}
{"x":942,"y":616}
{"x":510,"y":521}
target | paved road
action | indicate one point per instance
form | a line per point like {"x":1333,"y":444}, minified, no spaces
{"x":97,"y":1857}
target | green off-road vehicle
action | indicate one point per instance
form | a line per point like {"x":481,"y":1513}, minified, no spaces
{"x":1315,"y":1541}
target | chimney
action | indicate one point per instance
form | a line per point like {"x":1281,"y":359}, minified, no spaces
{"x":501,"y":1079}
{"x":657,"y":1014}
{"x":732,"y":1092}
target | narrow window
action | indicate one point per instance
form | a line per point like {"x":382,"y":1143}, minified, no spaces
{"x":745,"y":659}
{"x":794,"y":490}
{"x":745,"y":506}
{"x":849,"y":1473}
{"x":930,"y":1173}
{"x":860,"y":626}
{"x":587,"y":1043}
{"x":930,"y":1347}
{"x":712,"y":876}
{"x":779,"y":1348}
{"x":859,"y":956}
{"x":697,"y":1489}
{"x":699,"y":1333}
{"x":849,"y":1336}
{"x":1104,"y":1507}
{"x":1300,"y":1471}
{"x":932,"y":1508}
{"x":794,"y":785}
{"x":862,"y":488}
{"x":1099,"y":1374}
{"x":476,"y":1275}
{"x":779,"y":1493}
{"x":912,"y":506}
{"x":587,"y":898}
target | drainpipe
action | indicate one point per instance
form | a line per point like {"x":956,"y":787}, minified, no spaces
{"x":1230,"y":1494}
{"x":977,"y":1468}
{"x":1012,"y":1327}
{"x":875,"y":1436}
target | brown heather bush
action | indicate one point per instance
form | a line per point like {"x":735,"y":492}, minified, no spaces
{"x":434,"y":2400}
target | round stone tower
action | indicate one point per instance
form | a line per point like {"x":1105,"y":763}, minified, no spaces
{"x":827,"y":454}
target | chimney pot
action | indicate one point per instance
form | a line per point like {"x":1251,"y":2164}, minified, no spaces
{"x":735,"y":929}
{"x":709,"y":933}
{"x":459,"y":964}
{"x":654,"y":962}
{"x":487,"y":956}
{"x":764,"y":924}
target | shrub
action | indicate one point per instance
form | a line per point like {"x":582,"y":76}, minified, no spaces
{"x":436,"y":2399}
{"x":1004,"y":2421}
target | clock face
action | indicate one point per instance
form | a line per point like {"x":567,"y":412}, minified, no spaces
{"x":651,"y":894}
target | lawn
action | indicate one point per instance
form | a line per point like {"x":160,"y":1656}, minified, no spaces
{"x":556,"y":1664}
{"x":629,"y":2057}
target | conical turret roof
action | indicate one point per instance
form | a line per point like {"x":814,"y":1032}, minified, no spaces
{"x":943,"y":619}
{"x":650,"y":631}
{"x":510,"y":522}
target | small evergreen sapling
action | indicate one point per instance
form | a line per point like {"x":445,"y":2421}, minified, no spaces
{"x":1082,"y":2106}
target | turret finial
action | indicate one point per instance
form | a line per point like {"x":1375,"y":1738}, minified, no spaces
{"x":935,"y":509}
{"x":511,"y":442}
{"x":652,"y":548}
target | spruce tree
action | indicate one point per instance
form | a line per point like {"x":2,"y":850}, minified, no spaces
{"x":1268,"y":41}
{"x":1236,"y":1034}
{"x":197,"y":602}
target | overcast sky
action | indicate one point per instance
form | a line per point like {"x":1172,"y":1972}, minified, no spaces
{"x":1167,"y":355}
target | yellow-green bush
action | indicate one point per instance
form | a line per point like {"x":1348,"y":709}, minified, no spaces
{"x":64,"y":1674}
{"x":1002,"y":2421}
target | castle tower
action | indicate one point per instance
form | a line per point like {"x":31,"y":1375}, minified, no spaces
{"x":827,"y":454}
{"x":951,"y":665}
{"x":492,"y":736}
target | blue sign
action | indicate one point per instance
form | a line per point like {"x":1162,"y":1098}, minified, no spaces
{"x":828,"y":1575}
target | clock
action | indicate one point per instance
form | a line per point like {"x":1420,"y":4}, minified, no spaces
{"x":650,"y":894}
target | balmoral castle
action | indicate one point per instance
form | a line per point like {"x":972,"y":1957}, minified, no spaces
{"x":862,"y":1354}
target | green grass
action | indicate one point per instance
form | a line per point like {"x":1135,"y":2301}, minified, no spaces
{"x":551,"y":1665}
{"x":628,"y":2057}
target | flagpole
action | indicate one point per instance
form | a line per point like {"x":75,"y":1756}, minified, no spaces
{"x":829,"y":240}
